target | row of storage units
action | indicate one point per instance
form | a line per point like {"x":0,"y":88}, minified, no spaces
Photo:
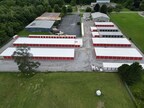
{"x":104,"y":24}
{"x":43,"y":53}
{"x":52,"y":36}
{"x":48,"y":42}
{"x":107,"y":34}
{"x":114,"y":66}
{"x":104,"y":29}
{"x":111,"y":42}
{"x":46,"y":47}
{"x":117,"y":53}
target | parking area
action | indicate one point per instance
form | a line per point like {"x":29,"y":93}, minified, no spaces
{"x":69,"y":25}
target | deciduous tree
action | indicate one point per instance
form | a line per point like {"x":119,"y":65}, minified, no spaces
{"x":97,"y":8}
{"x":23,"y":58}
{"x":130,"y":74}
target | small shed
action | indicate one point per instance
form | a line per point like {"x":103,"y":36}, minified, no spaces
{"x":100,"y":17}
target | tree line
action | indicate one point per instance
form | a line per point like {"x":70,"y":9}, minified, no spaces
{"x":16,"y":14}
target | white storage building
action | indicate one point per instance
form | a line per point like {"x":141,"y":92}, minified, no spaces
{"x":100,"y":17}
{"x":108,"y":34}
{"x":105,"y":29}
{"x":111,"y":42}
{"x":117,"y":53}
{"x":52,"y":36}
{"x":48,"y":42}
{"x":40,"y":26}
{"x":104,"y":24}
{"x":114,"y":66}
{"x":43,"y":53}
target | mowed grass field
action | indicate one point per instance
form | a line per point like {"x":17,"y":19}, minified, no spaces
{"x":132,"y":25}
{"x":63,"y":90}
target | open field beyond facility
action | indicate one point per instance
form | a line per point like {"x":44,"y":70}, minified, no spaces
{"x":63,"y":90}
{"x":132,"y":25}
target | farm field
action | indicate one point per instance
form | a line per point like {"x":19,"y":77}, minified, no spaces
{"x":132,"y":25}
{"x":63,"y":90}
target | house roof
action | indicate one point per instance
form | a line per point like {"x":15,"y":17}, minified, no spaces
{"x":40,"y":24}
{"x":49,"y":16}
{"x":98,"y":15}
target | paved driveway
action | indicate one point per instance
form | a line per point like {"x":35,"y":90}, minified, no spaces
{"x":69,"y":25}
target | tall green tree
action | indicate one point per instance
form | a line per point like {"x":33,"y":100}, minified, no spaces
{"x":69,"y":9}
{"x":57,"y":8}
{"x":142,"y":5}
{"x":88,"y":9}
{"x":118,"y":8}
{"x":73,"y":2}
{"x":64,"y":9}
{"x":103,"y":9}
{"x":97,"y":8}
{"x":130,"y":74}
{"x":110,"y":9}
{"x":23,"y":58}
{"x":49,"y":8}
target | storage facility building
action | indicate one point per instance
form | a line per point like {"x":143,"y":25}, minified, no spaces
{"x":52,"y":36}
{"x":43,"y":53}
{"x":40,"y":26}
{"x":100,"y":17}
{"x":49,"y":16}
{"x":48,"y":42}
{"x":108,"y":34}
{"x":105,"y":29}
{"x":111,"y":42}
{"x":117,"y":53}
{"x":104,"y":24}
{"x":95,"y":34}
{"x":114,"y":66}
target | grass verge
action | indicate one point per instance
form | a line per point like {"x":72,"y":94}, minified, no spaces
{"x":63,"y":90}
{"x":132,"y":25}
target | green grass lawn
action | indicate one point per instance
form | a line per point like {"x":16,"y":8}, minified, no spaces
{"x":26,"y":33}
{"x":63,"y":90}
{"x":132,"y":25}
